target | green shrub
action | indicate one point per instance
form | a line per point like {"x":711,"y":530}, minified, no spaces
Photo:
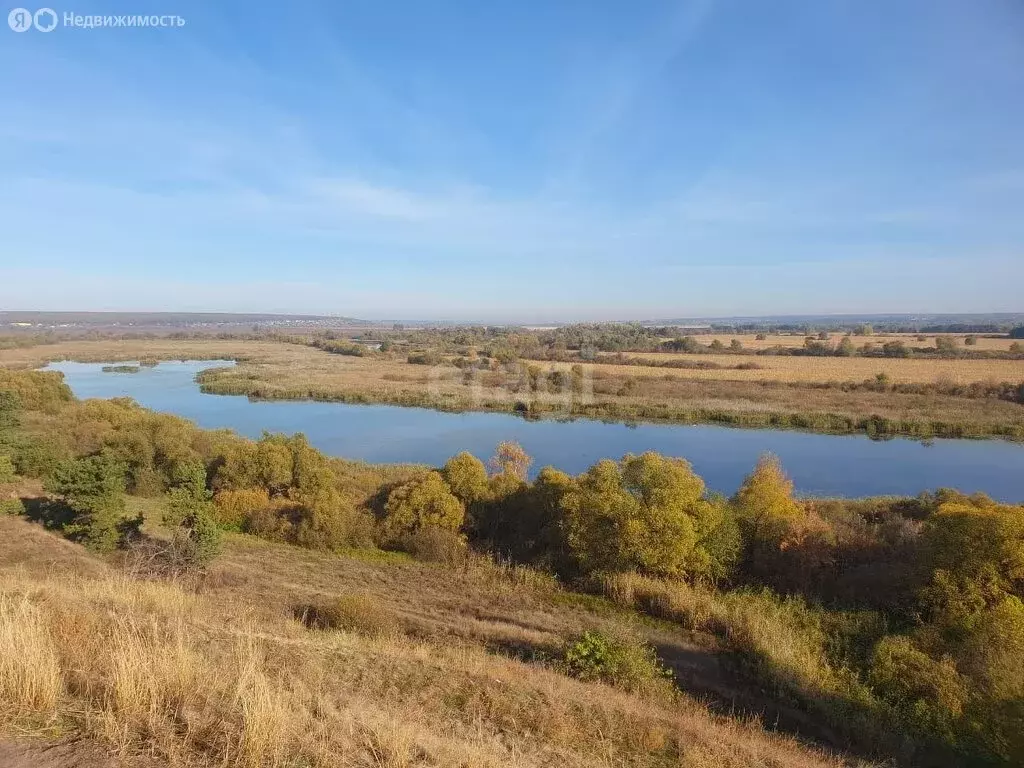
{"x":929,"y":695}
{"x":38,"y":457}
{"x":7,"y":473}
{"x":196,"y":543}
{"x":93,"y":488}
{"x":12,"y":507}
{"x":623,"y":662}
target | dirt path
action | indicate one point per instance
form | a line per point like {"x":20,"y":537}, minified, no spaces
{"x":64,"y":754}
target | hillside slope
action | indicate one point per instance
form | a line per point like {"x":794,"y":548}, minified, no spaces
{"x":224,"y":672}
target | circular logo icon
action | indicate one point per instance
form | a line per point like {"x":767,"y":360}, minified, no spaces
{"x":20,"y":19}
{"x":45,"y":19}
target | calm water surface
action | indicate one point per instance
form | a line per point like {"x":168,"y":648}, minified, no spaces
{"x":822,"y":465}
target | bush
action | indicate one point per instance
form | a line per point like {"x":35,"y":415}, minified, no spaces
{"x":93,"y":488}
{"x":197,"y":543}
{"x":359,"y":613}
{"x":424,"y":358}
{"x":928,"y":694}
{"x":424,"y":501}
{"x":233,"y":508}
{"x":12,"y":507}
{"x":435,"y":545}
{"x":7,"y":473}
{"x":626,"y":663}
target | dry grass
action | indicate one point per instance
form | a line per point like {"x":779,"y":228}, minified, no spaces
{"x":227,"y":677}
{"x":823,"y":369}
{"x":356,"y":612}
{"x":796,"y":340}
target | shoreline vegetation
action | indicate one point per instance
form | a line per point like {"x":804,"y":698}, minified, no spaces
{"x":611,"y":374}
{"x":604,"y":616}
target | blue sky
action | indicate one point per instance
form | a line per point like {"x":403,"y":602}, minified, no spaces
{"x":518,"y":160}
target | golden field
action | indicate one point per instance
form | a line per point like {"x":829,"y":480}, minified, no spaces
{"x":750,"y":340}
{"x":823,"y":369}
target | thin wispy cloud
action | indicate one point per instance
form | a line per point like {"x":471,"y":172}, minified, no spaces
{"x":618,"y":152}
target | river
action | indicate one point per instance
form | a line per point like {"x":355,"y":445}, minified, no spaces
{"x":820,"y":465}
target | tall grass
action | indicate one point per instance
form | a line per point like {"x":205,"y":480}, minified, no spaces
{"x":145,"y":667}
{"x":781,"y":642}
{"x":30,"y":674}
{"x":122,"y":662}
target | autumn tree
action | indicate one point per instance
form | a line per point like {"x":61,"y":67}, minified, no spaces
{"x":510,"y":459}
{"x":466,"y":476}
{"x":421,"y":502}
{"x":769,"y":518}
{"x":522,"y":521}
{"x":646,"y":513}
{"x":765,"y":503}
{"x":235,"y":508}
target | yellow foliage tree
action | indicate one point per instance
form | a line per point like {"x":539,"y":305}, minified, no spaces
{"x":466,"y":475}
{"x":424,"y":501}
{"x":765,"y":503}
{"x":646,"y":513}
